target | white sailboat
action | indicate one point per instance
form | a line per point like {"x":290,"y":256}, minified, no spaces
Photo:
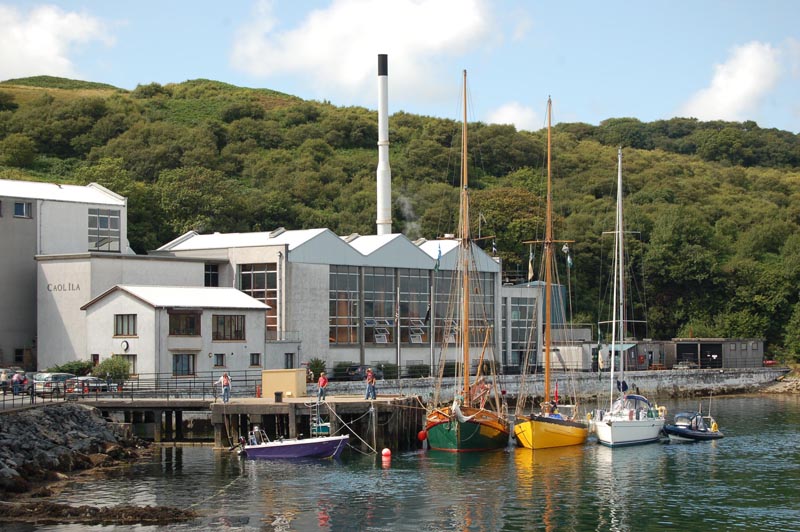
{"x":631,"y":419}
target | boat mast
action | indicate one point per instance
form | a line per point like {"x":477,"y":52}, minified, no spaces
{"x":619,"y":285}
{"x":465,"y":249}
{"x":548,"y":265}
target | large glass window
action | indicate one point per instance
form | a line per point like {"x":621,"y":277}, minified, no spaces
{"x":414,"y":300}
{"x":124,"y":324}
{"x":447,"y":310}
{"x":379,"y":306}
{"x":343,"y":305}
{"x":184,"y":323}
{"x":183,"y":364}
{"x":519,"y":323}
{"x":227,"y":327}
{"x":104,"y":230}
{"x":131,"y":360}
{"x":260,"y":281}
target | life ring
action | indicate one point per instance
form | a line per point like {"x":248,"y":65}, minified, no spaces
{"x":662,"y":411}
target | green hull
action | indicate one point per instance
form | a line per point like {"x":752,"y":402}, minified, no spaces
{"x":467,"y":436}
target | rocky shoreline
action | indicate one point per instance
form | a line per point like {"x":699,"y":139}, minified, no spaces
{"x":41,"y":447}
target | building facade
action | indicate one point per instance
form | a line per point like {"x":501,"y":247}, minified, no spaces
{"x":45,"y":218}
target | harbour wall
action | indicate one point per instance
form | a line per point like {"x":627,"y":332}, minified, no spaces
{"x":589,"y":386}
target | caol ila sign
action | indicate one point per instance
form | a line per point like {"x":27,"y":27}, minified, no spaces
{"x":63,"y":287}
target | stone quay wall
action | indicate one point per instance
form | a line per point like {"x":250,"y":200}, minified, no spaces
{"x":44,"y":443}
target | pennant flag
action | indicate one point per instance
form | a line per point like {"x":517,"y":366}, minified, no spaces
{"x":569,"y":261}
{"x":530,"y":264}
{"x":428,"y":315}
{"x":494,"y":248}
{"x":438,"y":259}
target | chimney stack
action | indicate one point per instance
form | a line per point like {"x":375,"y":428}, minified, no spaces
{"x":384,"y":220}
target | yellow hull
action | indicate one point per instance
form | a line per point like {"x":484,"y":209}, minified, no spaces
{"x":541,"y":432}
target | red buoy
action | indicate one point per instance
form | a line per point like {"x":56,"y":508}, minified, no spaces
{"x":386,"y":452}
{"x":422,"y":435}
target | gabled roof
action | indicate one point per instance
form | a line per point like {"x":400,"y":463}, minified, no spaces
{"x":91,"y":193}
{"x":195,"y":241}
{"x":395,"y":250}
{"x":449,"y":254}
{"x":185,"y":297}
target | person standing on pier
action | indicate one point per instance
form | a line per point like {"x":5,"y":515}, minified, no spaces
{"x":370,"y":384}
{"x":322,"y":386}
{"x":225,"y":382}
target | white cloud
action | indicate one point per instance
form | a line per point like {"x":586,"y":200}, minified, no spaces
{"x":40,"y":41}
{"x":335,"y":49}
{"x":738,"y":86}
{"x":515,"y":113}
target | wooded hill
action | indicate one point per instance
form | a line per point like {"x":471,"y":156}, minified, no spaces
{"x":716,"y":204}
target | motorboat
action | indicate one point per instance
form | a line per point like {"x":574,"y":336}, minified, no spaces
{"x":692,"y":426}
{"x":258,"y":445}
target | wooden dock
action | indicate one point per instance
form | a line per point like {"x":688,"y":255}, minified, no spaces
{"x":390,"y":421}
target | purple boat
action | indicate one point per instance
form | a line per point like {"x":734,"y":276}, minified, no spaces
{"x":258,"y":445}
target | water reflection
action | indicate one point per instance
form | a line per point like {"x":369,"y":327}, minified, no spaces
{"x":742,"y":482}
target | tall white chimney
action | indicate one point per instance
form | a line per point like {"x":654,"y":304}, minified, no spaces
{"x":384,"y":220}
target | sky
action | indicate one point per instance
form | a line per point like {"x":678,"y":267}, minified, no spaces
{"x":731,"y":60}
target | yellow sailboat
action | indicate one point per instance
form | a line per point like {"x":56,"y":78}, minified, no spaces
{"x":548,"y":427}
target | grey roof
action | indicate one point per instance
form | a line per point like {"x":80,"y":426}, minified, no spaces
{"x":91,"y":193}
{"x":194,"y":241}
{"x":187,"y":297}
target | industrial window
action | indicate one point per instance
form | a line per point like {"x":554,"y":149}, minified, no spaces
{"x":104,"y":232}
{"x":255,"y":359}
{"x":260,"y":281}
{"x":227,"y":327}
{"x":124,"y":324}
{"x":414,"y":311}
{"x":343,"y":311}
{"x":23,"y":209}
{"x":183,"y":364}
{"x":212,"y":275}
{"x":184,"y":323}
{"x":219,"y":360}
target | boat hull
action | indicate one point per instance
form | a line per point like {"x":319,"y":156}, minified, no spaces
{"x":544,"y":432}
{"x":621,"y":432}
{"x":683,"y":434}
{"x":480,"y":431}
{"x":323,"y":447}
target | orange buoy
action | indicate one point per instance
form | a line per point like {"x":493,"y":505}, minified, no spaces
{"x":422,"y":435}
{"x":386,"y":452}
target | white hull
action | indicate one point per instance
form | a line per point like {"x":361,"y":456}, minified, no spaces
{"x":616,"y":431}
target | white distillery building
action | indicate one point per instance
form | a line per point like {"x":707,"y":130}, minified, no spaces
{"x":40,"y":219}
{"x":356,"y":299}
{"x":177,"y":330}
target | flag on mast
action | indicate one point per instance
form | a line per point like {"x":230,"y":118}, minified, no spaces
{"x":530,"y":264}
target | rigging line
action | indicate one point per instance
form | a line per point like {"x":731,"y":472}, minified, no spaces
{"x":345,"y":424}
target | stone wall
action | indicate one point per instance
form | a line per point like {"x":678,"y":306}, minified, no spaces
{"x":43,"y":443}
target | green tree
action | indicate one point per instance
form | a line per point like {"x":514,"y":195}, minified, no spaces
{"x":17,"y":150}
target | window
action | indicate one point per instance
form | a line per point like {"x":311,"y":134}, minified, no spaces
{"x":415,"y":289}
{"x":219,"y":360}
{"x":131,"y":360}
{"x":23,"y":209}
{"x":212,"y":275}
{"x":95,"y":359}
{"x":225,"y":327}
{"x":255,"y":359}
{"x":184,"y":323}
{"x":19,"y":356}
{"x":124,"y":324}
{"x":288,"y":360}
{"x":104,"y":230}
{"x":519,"y":326}
{"x":183,"y":364}
{"x":260,"y":281}
{"x":379,"y":305}
{"x":343,"y":313}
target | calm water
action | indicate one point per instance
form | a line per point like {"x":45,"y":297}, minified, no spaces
{"x":746,"y":481}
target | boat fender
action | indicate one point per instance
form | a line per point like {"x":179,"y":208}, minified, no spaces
{"x":589,"y":416}
{"x":662,"y":411}
{"x":714,"y":427}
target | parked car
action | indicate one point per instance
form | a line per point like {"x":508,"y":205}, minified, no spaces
{"x":359,"y":373}
{"x":86,"y":384}
{"x":50,"y":383}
